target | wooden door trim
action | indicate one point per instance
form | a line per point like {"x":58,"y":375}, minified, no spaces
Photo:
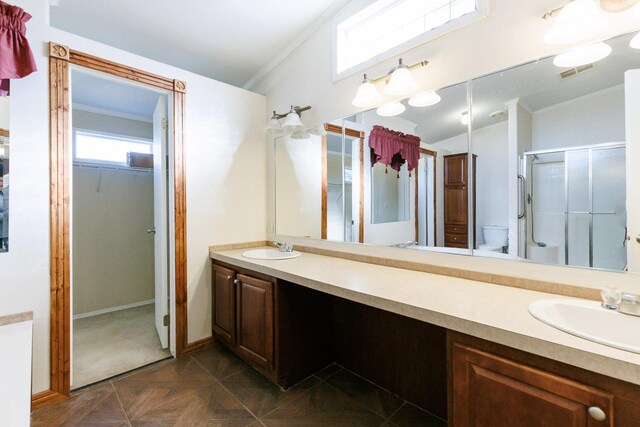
{"x":356,"y":134}
{"x":60,"y":57}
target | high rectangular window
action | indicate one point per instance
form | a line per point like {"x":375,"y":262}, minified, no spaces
{"x":387,"y":24}
{"x":98,"y":148}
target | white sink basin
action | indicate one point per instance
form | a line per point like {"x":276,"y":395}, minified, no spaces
{"x":587,"y":319}
{"x":269,"y":254}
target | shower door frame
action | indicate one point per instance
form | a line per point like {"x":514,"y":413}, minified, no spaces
{"x":566,"y":150}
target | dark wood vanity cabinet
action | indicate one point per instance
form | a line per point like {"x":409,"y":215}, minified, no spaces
{"x":279,"y":328}
{"x":224,"y":305}
{"x":456,"y":200}
{"x":242,"y":316}
{"x":254,"y":320}
{"x":494,"y":385}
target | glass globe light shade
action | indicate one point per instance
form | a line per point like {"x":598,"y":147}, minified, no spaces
{"x":425,"y":99}
{"x":577,"y":21}
{"x":391,"y":109}
{"x":582,"y":55}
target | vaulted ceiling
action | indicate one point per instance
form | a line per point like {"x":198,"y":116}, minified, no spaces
{"x":230,"y":41}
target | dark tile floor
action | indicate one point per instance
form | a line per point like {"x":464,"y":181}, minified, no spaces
{"x":216,"y":388}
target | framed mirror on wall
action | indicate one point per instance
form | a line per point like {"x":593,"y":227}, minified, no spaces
{"x":4,"y":173}
{"x":526,"y":164}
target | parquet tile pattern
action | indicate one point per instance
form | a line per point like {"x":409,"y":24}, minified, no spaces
{"x":216,"y":388}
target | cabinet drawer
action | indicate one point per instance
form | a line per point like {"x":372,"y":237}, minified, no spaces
{"x":458,"y":239}
{"x":456,"y":229}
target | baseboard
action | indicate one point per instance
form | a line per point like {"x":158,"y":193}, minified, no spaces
{"x":197,"y":346}
{"x":45,"y":398}
{"x":112,"y":309}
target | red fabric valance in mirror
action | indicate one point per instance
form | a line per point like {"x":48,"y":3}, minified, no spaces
{"x":392,"y":148}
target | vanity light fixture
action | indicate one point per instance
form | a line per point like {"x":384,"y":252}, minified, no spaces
{"x":391,"y":109}
{"x":367,"y":95}
{"x":575,"y":22}
{"x":292,"y":125}
{"x":293,"y":122}
{"x":582,"y":55}
{"x":401,"y":82}
{"x":425,"y":99}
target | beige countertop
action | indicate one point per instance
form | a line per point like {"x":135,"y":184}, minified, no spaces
{"x":492,"y":312}
{"x":16,"y":318}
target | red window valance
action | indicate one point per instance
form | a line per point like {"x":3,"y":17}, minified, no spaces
{"x":392,"y":148}
{"x":16,"y":59}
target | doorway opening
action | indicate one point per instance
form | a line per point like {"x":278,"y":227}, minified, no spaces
{"x":61,"y":61}
{"x":120,"y":234}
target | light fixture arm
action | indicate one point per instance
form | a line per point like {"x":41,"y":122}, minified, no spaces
{"x":400,"y":64}
{"x":298,"y":111}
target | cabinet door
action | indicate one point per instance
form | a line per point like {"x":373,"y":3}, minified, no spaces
{"x":456,"y":205}
{"x":255,"y":327}
{"x":455,"y":169}
{"x":492,"y":391}
{"x":224,"y":305}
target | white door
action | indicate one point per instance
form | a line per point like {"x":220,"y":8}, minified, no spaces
{"x":160,"y":219}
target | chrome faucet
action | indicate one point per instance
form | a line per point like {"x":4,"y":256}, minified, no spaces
{"x":284,"y":246}
{"x":623,"y":302}
{"x":406,"y":244}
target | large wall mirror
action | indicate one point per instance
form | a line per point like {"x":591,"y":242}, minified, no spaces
{"x":4,"y":173}
{"x":537,"y":176}
{"x":328,"y":188}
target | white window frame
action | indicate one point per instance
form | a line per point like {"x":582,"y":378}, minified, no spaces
{"x":482,"y":11}
{"x":109,"y":135}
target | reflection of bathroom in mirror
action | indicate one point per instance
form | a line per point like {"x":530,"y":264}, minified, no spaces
{"x":547,"y":159}
{"x":562,"y":133}
{"x":395,"y":209}
{"x":4,"y":173}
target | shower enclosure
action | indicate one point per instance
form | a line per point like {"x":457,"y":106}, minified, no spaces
{"x":574,"y":201}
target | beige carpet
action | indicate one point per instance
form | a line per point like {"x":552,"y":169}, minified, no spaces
{"x":112,"y":343}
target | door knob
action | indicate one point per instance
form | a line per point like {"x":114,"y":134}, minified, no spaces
{"x":151,"y":230}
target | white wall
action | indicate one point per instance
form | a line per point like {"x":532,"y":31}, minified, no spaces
{"x":86,"y":120}
{"x":591,"y":119}
{"x":299,"y":186}
{"x":226,"y":180}
{"x":112,"y":252}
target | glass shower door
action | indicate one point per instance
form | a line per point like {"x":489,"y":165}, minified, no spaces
{"x":596,"y":214}
{"x":578,"y":212}
{"x":609,"y":213}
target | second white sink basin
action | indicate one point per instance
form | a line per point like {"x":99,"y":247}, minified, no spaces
{"x":269,"y":254}
{"x":587,"y":319}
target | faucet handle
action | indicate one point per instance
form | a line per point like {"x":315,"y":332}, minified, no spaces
{"x":611,"y":297}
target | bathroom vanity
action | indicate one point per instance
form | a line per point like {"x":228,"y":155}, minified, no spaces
{"x":447,"y":344}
